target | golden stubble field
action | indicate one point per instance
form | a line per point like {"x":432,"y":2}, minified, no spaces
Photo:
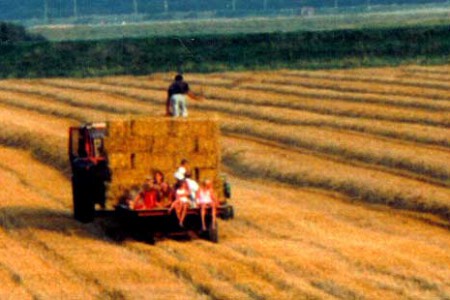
{"x":341,"y":187}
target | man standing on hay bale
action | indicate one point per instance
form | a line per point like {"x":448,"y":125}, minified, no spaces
{"x":176,"y":105}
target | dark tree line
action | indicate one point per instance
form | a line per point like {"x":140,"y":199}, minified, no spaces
{"x":12,"y":33}
{"x":26,"y":9}
{"x":316,"y":49}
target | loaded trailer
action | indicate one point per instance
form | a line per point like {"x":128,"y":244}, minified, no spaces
{"x":109,"y":158}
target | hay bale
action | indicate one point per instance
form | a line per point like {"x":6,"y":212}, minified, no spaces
{"x":138,"y":147}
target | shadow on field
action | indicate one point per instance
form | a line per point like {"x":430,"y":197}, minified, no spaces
{"x":104,"y":228}
{"x":58,"y":221}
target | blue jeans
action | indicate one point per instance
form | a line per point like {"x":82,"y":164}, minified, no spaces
{"x":178,"y":105}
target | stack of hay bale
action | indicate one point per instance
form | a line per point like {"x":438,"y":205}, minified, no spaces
{"x":138,"y":147}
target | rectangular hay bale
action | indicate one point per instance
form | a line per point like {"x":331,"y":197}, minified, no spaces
{"x":136,"y":148}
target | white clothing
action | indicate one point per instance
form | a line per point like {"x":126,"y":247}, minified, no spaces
{"x":183,"y":196}
{"x":204,"y":197}
{"x":180,"y":173}
{"x":178,"y":105}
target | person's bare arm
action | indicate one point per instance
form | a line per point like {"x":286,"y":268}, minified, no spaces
{"x":194,"y":96}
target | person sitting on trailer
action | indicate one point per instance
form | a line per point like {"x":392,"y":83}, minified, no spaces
{"x":207,"y":199}
{"x":145,"y":199}
{"x":181,"y":202}
{"x":156,"y":183}
{"x":166,"y":197}
{"x":193,"y":188}
{"x":184,"y":168}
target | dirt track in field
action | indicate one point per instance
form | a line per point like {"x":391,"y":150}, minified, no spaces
{"x":335,"y":197}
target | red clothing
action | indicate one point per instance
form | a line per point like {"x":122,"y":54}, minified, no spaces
{"x":149,"y":199}
{"x":146,"y":200}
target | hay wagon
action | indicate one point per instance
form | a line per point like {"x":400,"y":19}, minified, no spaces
{"x":108,"y":158}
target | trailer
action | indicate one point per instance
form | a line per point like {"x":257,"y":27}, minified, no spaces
{"x":109,"y":158}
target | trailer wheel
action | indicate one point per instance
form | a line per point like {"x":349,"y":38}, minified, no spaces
{"x":231,"y":212}
{"x":228,"y":213}
{"x":83,"y":206}
{"x":213,"y":233}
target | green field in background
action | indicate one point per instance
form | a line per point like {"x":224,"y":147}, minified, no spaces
{"x":181,"y":28}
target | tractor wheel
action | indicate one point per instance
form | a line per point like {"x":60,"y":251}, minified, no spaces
{"x":213,"y":233}
{"x":83,"y":206}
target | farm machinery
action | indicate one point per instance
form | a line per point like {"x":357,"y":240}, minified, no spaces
{"x":108,"y":158}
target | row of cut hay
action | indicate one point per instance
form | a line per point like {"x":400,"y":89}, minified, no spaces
{"x":429,"y":164}
{"x":85,"y":260}
{"x":251,"y":247}
{"x":390,"y":77}
{"x":254,"y":277}
{"x":161,"y":156}
{"x":24,"y":211}
{"x":190,"y":270}
{"x":405,"y":72}
{"x":161,"y":151}
{"x":403,"y":131}
{"x":207,"y":284}
{"x":52,"y":107}
{"x":265,"y":82}
{"x":396,"y":95}
{"x":367,"y":185}
{"x":420,"y":169}
{"x":372,"y":156}
{"x":319,"y":91}
{"x":438,"y":70}
{"x":254,"y":96}
{"x":224,"y":276}
{"x":348,"y":272}
{"x":44,"y":136}
{"x":349,"y":91}
{"x":321,"y":94}
{"x":212,"y":271}
{"x":74,"y":98}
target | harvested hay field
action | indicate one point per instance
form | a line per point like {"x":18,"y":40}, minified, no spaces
{"x":341,"y":186}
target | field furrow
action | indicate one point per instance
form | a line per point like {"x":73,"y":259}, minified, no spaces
{"x":87,"y":258}
{"x":366,"y":149}
{"x":263,"y":160}
{"x":99,"y":100}
{"x":336,"y":90}
{"x":439,"y":70}
{"x":423,"y":162}
{"x":410,"y":132}
{"x":437,"y":204}
{"x":340,"y":188}
{"x":393,"y":78}
{"x":295,"y":115}
{"x":272,"y":97}
{"x":52,"y":106}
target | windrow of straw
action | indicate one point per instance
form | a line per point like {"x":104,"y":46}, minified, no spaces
{"x":138,"y":147}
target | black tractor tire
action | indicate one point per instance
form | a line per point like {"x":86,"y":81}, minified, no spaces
{"x":83,"y":205}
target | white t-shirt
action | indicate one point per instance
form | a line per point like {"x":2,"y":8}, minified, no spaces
{"x":180,"y":173}
{"x":192,"y":184}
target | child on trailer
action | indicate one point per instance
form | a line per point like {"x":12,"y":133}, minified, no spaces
{"x":145,"y":199}
{"x":181,"y":203}
{"x":193,"y":188}
{"x":206,"y":199}
{"x":184,"y":168}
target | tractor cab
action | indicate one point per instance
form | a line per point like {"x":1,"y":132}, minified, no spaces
{"x":86,"y":142}
{"x":90,"y":171}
